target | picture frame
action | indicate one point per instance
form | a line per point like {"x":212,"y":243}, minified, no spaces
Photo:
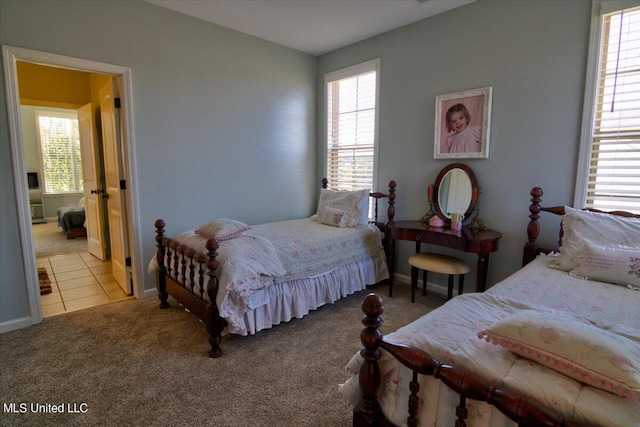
{"x":467,"y":135}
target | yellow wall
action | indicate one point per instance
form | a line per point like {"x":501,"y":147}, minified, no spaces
{"x":53,"y":87}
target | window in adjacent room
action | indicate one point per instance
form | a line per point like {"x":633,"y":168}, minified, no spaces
{"x":609,"y":168}
{"x":60,"y":143}
{"x":351,"y":128}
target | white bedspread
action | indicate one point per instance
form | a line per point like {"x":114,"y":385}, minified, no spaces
{"x":308,"y":249}
{"x":287,"y":253}
{"x":449,"y":333}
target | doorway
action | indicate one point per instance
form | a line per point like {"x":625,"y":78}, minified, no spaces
{"x":11,"y":56}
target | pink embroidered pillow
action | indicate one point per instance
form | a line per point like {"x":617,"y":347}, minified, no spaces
{"x":577,"y":349}
{"x":337,"y":217}
{"x":222,"y":229}
{"x":611,"y":265}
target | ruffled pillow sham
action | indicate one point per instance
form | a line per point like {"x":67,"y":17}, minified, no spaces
{"x":222,"y":229}
{"x":573,"y":347}
{"x":582,"y":228}
{"x":349,"y":202}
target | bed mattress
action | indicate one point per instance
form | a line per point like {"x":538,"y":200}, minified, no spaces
{"x":70,"y":218}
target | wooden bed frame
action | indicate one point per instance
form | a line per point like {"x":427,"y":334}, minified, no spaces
{"x":76,"y":232}
{"x":183,"y":276}
{"x":518,"y":407}
{"x":72,"y":232}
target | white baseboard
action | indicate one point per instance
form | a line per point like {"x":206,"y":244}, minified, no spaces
{"x":150,"y":293}
{"x":15,"y":324}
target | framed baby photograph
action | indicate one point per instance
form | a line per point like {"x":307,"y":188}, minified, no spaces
{"x":462,"y":126}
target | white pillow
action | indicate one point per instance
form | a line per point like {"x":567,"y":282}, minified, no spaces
{"x":593,"y":228}
{"x":347,"y":201}
{"x":572,"y":347}
{"x":612,"y":265}
{"x":364,"y":210}
{"x":222,"y":229}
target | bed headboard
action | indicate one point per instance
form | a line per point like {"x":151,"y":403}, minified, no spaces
{"x":531,"y":248}
{"x":376,"y":196}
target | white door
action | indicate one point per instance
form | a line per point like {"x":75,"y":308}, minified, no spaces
{"x":91,"y":173}
{"x":114,"y":177}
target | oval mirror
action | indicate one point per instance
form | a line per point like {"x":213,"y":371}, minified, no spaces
{"x":453,"y":191}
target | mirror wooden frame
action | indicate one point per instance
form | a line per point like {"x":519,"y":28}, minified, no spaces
{"x":436,"y":190}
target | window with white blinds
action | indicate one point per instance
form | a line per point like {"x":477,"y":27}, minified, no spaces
{"x":612,"y":168}
{"x":352,"y":105}
{"x":60,"y":143}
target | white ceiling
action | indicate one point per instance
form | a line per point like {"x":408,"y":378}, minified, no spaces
{"x":312,"y":26}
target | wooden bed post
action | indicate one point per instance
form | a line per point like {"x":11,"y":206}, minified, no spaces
{"x":391,"y":210}
{"x":533,"y":229}
{"x":214,"y":323}
{"x":368,"y":409}
{"x":161,"y":283}
{"x":387,"y":242}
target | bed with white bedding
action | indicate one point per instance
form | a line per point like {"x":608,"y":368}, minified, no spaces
{"x":544,"y":346}
{"x":247,"y":278}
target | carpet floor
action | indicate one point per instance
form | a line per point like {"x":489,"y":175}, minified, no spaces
{"x":130,"y":363}
{"x":49,"y":241}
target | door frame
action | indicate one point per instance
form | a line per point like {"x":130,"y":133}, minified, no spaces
{"x":10,"y":56}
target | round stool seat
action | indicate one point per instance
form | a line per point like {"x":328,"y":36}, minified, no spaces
{"x":438,"y":263}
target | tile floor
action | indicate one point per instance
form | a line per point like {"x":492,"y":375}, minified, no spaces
{"x":78,"y":281}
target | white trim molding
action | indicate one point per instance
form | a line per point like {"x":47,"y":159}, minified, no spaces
{"x":10,"y":56}
{"x":15,"y":324}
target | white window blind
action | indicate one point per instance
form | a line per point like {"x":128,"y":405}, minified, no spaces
{"x":613,"y":171}
{"x":351,"y":126}
{"x":60,"y":143}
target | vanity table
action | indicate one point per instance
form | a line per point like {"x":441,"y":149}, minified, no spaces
{"x":481,"y":243}
{"x":454,"y":195}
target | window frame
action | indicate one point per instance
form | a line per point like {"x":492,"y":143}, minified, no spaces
{"x":344,"y":73}
{"x":62,"y":114}
{"x":599,"y":8}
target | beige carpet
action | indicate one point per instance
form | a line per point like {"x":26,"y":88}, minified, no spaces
{"x":131,"y":363}
{"x":49,"y":241}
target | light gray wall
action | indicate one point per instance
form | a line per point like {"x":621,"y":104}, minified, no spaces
{"x":218,"y":116}
{"x":229,"y":112}
{"x":534,"y":55}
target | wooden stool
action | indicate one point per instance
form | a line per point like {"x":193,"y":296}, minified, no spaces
{"x":436,"y":263}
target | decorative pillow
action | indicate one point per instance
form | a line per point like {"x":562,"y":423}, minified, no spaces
{"x":593,"y":228}
{"x":572,"y":347}
{"x":222,"y":229}
{"x":337,"y":217}
{"x":612,"y":265}
{"x":347,"y":201}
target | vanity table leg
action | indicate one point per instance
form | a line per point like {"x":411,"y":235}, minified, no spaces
{"x":481,"y":273}
{"x":424,"y":274}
